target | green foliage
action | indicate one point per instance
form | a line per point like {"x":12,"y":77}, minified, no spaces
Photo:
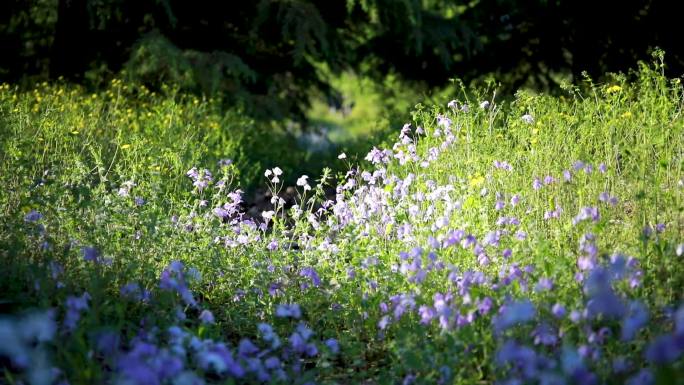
{"x":127,"y":131}
{"x":155,"y":59}
{"x":264,"y":55}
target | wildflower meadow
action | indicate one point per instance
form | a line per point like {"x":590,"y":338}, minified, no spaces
{"x":534,"y":240}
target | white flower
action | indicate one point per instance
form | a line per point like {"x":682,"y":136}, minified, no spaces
{"x":268,"y":215}
{"x":302,"y":181}
{"x":277,"y":171}
{"x":276,"y":199}
{"x":296,"y":211}
{"x":452,"y":104}
{"x":342,"y":156}
{"x":126,"y":187}
{"x":680,"y":249}
{"x":484,"y":105}
{"x":268,"y":173}
{"x":527,"y":118}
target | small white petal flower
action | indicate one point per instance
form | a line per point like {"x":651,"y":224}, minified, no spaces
{"x":452,"y":104}
{"x":484,"y":105}
{"x":268,"y":215}
{"x":302,"y":181}
{"x":268,"y":173}
{"x":342,"y":156}
{"x":277,"y":171}
{"x":527,"y":118}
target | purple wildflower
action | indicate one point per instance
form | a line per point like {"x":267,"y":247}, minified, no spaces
{"x":643,"y":377}
{"x":578,"y":165}
{"x":587,"y":213}
{"x":558,"y":310}
{"x":268,"y":335}
{"x":33,"y":216}
{"x":133,"y":291}
{"x":173,"y":279}
{"x":620,"y":365}
{"x":647,"y":231}
{"x":74,"y":307}
{"x":522,"y":358}
{"x":567,"y":176}
{"x":200,"y":178}
{"x":426,"y":314}
{"x":664,"y":350}
{"x":90,"y":253}
{"x":637,"y":318}
{"x":384,"y":322}
{"x":514,"y":313}
{"x":247,"y":348}
{"x":545,"y":335}
{"x":332,"y":345}
{"x":289,"y":310}
{"x":536,"y":184}
{"x":485,"y":305}
{"x":309,"y":272}
{"x":207,"y":317}
{"x":544,"y":284}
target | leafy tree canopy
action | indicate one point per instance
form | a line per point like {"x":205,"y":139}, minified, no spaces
{"x":267,"y":54}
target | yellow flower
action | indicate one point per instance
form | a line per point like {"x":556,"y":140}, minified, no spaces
{"x":476,"y":180}
{"x":613,"y":89}
{"x":627,"y":114}
{"x":125,"y":146}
